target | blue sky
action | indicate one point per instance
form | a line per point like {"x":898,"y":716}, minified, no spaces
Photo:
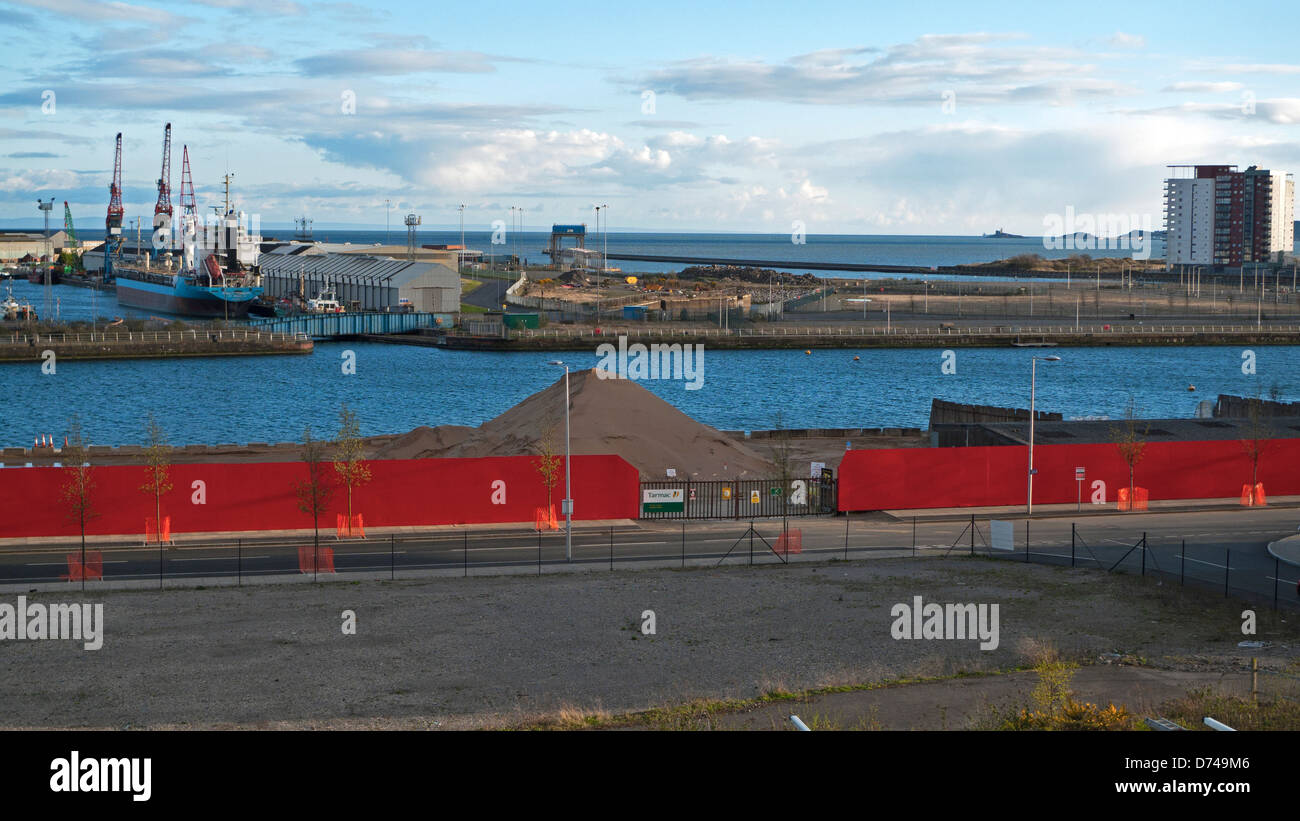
{"x":879,"y":118}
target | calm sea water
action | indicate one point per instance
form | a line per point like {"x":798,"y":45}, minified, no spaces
{"x":858,"y":249}
{"x":260,"y":399}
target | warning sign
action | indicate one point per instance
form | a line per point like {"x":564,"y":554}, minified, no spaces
{"x":754,"y":497}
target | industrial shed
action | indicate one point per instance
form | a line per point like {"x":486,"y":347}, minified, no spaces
{"x":376,"y":283}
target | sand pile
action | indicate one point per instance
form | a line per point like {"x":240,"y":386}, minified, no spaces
{"x":606,"y":416}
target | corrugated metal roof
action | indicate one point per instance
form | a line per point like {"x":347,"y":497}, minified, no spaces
{"x":354,"y":268}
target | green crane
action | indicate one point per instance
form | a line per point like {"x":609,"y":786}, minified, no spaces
{"x":67,"y":227}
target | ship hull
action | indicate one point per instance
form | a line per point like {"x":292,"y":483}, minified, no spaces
{"x":38,"y":277}
{"x":186,"y":300}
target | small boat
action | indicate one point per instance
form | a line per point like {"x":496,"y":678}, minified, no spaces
{"x":326,"y":302}
{"x":14,"y":311}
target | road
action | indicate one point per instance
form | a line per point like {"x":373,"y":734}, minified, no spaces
{"x":1207,"y":548}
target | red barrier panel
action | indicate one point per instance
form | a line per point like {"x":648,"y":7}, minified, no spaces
{"x":307,"y":559}
{"x":903,"y":478}
{"x":92,"y":569}
{"x":260,"y":496}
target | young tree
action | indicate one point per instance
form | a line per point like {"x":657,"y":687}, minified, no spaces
{"x":782,"y":452}
{"x":157,"y":457}
{"x":1256,"y":433}
{"x":313,"y":493}
{"x":548,"y":462}
{"x":349,"y":456}
{"x":1130,"y":437}
{"x":78,"y":484}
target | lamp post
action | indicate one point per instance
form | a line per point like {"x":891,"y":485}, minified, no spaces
{"x":566,"y":504}
{"x":460,"y":257}
{"x":1033,"y":378}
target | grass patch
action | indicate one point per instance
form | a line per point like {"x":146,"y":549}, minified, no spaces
{"x":472,"y":309}
{"x":1239,"y":713}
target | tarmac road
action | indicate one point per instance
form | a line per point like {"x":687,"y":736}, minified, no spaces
{"x":1216,"y":549}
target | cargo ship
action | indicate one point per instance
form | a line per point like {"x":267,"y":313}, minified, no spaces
{"x":210,"y":294}
{"x":216,"y":274}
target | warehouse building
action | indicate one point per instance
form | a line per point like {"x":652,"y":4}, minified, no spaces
{"x":361,"y":281}
{"x":14,"y":245}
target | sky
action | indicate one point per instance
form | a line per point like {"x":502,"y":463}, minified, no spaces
{"x":834,"y":117}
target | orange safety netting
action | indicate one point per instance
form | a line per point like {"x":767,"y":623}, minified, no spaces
{"x":355,"y":528}
{"x":306,"y":556}
{"x":93,"y":568}
{"x":151,"y":531}
{"x":791,"y":541}
{"x":546,"y":519}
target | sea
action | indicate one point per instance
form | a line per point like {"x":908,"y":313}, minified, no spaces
{"x":395,"y":388}
{"x":911,"y":250}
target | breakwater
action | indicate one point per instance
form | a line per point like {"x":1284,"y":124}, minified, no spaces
{"x":586,"y":339}
{"x":37,"y":347}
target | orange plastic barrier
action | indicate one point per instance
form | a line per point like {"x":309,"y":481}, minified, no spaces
{"x":1140,"y":498}
{"x":93,"y":569}
{"x":546,"y":519}
{"x":307,"y":554}
{"x":1253,"y":496}
{"x":790,"y":541}
{"x":151,"y":534}
{"x":356,"y":528}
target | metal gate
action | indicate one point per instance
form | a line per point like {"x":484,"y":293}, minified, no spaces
{"x":739,"y":499}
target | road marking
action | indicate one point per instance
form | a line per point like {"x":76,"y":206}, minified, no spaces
{"x":65,"y":564}
{"x":213,"y":559}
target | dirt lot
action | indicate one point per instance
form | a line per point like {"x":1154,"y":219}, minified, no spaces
{"x":505,"y":650}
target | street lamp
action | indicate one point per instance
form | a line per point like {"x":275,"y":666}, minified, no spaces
{"x":1033,"y":377}
{"x":566,"y":504}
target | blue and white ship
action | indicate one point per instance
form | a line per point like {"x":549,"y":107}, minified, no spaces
{"x":217,"y":275}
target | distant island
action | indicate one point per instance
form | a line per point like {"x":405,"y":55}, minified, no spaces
{"x":1000,"y":234}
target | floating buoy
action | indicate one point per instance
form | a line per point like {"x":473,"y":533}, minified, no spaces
{"x":1191,"y":387}
{"x":856,"y":358}
{"x":807,"y":352}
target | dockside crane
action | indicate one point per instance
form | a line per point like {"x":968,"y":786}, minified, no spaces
{"x":189,"y":212}
{"x":68,"y":228}
{"x":162,"y":211}
{"x":113,"y":222}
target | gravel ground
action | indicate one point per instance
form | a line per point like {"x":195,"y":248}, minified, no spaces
{"x":504,"y":650}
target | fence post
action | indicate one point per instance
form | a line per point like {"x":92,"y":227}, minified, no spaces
{"x":1026,"y":541}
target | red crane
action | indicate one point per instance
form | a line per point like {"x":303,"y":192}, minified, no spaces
{"x":188,"y":207}
{"x":164,"y":205}
{"x":113,"y":223}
